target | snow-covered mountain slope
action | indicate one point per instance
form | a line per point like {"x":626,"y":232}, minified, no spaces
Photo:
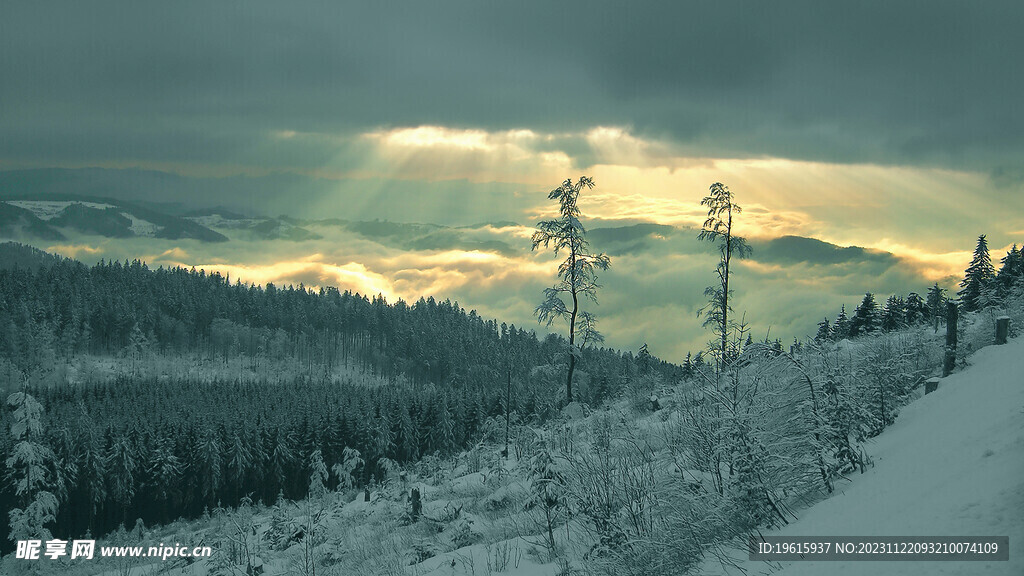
{"x":951,"y":465}
{"x":50,"y":209}
{"x":52,"y":218}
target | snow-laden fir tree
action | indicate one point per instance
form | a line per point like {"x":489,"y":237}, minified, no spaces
{"x":443,"y":432}
{"x":824,"y":331}
{"x":318,"y":475}
{"x":977,"y":277}
{"x":164,"y":470}
{"x":65,"y":447}
{"x":841,"y":329}
{"x":238,"y":462}
{"x":122,"y":465}
{"x":208,"y":467}
{"x":915,"y":309}
{"x":893,"y":314}
{"x":30,"y":469}
{"x":687,"y":367}
{"x":406,"y":441}
{"x":936,"y":305}
{"x":92,"y":468}
{"x":643,"y":360}
{"x":847,"y":420}
{"x":865,"y":317}
{"x":577,"y":275}
{"x":547,"y":491}
{"x":1011,"y":271}
{"x":280,"y":459}
{"x":345,"y":470}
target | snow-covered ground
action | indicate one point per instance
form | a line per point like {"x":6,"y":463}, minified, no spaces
{"x":141,"y":227}
{"x":218,"y":221}
{"x":48,"y":209}
{"x":951,"y":465}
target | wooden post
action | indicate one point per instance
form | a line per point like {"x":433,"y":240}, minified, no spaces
{"x":1002,"y":329}
{"x":930,"y":385}
{"x":949,"y":362}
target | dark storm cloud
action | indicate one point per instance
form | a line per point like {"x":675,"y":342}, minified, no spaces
{"x":934,"y":83}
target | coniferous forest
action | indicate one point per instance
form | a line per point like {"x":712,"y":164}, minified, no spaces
{"x":396,"y":382}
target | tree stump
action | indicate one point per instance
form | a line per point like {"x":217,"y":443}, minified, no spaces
{"x":1002,"y":329}
{"x":417,"y":504}
{"x":930,"y":385}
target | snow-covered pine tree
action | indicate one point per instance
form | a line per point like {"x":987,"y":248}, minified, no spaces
{"x":406,"y":442}
{"x":643,"y":360}
{"x":92,"y":467}
{"x":238,"y":461}
{"x":841,"y":328}
{"x":38,"y":356}
{"x":687,"y":367}
{"x":65,"y":465}
{"x":915,"y":309}
{"x":346,"y":469}
{"x":280,"y":458}
{"x":208,"y":465}
{"x":1011,"y":270}
{"x":747,"y":489}
{"x":383,"y":435}
{"x":824,"y":331}
{"x":547,"y":491}
{"x":977,"y":277}
{"x":893,"y":314}
{"x":138,"y":346}
{"x":443,"y":433}
{"x":122,"y":465}
{"x":865,"y":317}
{"x":29,"y":468}
{"x":318,"y":475}
{"x":280,"y":528}
{"x":936,"y":304}
{"x":164,"y":470}
{"x":846,"y":416}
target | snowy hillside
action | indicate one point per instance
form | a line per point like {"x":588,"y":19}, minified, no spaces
{"x":952,"y":465}
{"x":48,"y":209}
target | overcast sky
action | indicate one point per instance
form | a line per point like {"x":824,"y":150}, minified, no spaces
{"x":895,"y":126}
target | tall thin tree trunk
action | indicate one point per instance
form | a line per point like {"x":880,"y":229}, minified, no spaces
{"x":725,"y":287}
{"x":508,"y":407}
{"x":572,"y":328}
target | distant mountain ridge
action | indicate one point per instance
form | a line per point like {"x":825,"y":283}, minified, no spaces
{"x":50,"y":216}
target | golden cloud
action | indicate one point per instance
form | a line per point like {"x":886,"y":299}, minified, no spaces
{"x":73,"y":250}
